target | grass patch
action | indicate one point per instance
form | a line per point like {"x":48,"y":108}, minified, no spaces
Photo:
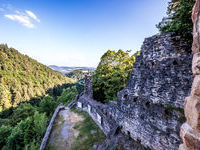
{"x":85,"y":140}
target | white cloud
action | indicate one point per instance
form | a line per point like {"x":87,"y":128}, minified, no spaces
{"x":24,"y":20}
{"x":32,"y":15}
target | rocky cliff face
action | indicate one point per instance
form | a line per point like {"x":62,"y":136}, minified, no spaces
{"x":150,"y":108}
{"x":162,"y":73}
{"x":190,"y":130}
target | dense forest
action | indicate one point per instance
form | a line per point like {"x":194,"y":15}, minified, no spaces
{"x":111,"y":74}
{"x":22,"y":78}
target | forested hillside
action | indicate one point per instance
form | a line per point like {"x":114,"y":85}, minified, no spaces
{"x":22,"y":78}
{"x":111,"y":74}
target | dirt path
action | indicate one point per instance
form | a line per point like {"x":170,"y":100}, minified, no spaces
{"x":63,"y":133}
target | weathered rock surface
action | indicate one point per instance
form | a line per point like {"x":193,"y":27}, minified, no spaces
{"x":192,"y":111}
{"x":190,"y":138}
{"x":190,"y":131}
{"x":151,"y":105}
{"x":162,"y":73}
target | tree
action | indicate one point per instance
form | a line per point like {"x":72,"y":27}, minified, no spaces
{"x":47,"y":105}
{"x":179,"y":20}
{"x":68,"y":95}
{"x":27,"y":134}
{"x":111,"y":74}
{"x":22,"y":112}
{"x":4,"y":132}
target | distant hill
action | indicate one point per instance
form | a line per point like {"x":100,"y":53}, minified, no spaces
{"x":22,"y":78}
{"x":65,"y":69}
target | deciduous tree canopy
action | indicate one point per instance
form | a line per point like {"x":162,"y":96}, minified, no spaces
{"x":112,"y":74}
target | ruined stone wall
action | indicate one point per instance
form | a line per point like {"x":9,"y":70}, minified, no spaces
{"x":150,"y":108}
{"x":190,"y":131}
{"x":98,"y":113}
{"x":162,"y":73}
{"x":151,"y":105}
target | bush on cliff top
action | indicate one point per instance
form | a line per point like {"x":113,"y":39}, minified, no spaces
{"x":179,"y":20}
{"x":111,"y":74}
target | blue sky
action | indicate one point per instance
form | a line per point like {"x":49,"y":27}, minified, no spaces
{"x":77,"y":32}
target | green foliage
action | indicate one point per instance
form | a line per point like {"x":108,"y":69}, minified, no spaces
{"x":5,"y":131}
{"x":48,"y":105}
{"x":23,"y":127}
{"x":179,"y":19}
{"x":22,"y":78}
{"x":22,"y":112}
{"x":111,"y":74}
{"x":80,"y":85}
{"x":68,"y":95}
{"x":28,"y":133}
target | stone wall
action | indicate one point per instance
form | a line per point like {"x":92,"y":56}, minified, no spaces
{"x":190,"y":131}
{"x":97,"y":112}
{"x":150,"y":108}
{"x":48,"y":131}
{"x":88,"y":86}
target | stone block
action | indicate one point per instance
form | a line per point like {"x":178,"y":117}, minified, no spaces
{"x":79,"y":104}
{"x":191,"y":138}
{"x":89,"y":108}
{"x":99,"y":118}
{"x":192,"y":111}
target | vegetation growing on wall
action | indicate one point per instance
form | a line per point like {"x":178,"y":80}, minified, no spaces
{"x":111,"y":74}
{"x":179,"y":20}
